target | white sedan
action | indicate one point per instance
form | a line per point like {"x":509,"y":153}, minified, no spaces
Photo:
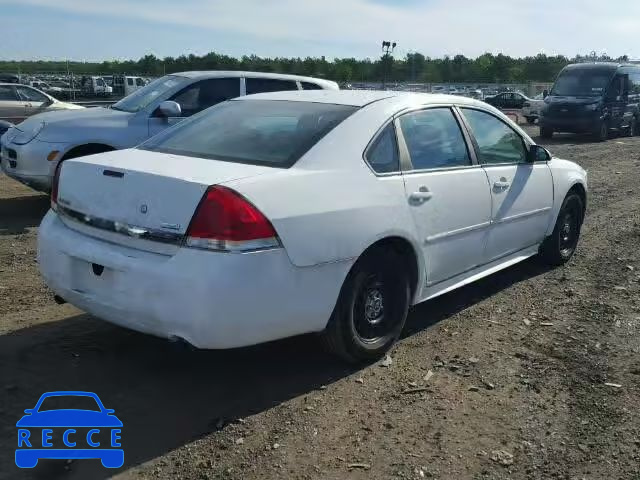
{"x":286,"y":213}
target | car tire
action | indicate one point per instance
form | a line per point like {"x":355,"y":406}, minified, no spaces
{"x":371,"y":310}
{"x":602,"y":132}
{"x":546,"y":133}
{"x":558,"y":248}
{"x":531,"y":120}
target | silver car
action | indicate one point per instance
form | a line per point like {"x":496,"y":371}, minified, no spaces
{"x":32,"y":150}
{"x":18,"y":102}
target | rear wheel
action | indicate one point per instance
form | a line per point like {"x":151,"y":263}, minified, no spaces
{"x":372,"y":308}
{"x":558,"y":248}
{"x":546,"y":132}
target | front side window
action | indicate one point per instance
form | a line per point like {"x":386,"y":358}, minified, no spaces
{"x":262,"y":85}
{"x":258,"y":132}
{"x":497,"y":142}
{"x":382,"y":155}
{"x":434,"y":139}
{"x":206,"y":93}
{"x":30,"y":95}
{"x":130,"y":82}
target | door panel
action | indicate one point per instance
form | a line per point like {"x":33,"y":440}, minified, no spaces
{"x":452,"y":213}
{"x":449,"y":197}
{"x":522,"y":197}
{"x":12,"y":108}
{"x":521,"y":192}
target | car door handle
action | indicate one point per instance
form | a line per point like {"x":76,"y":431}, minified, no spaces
{"x":501,"y":184}
{"x":421,"y":196}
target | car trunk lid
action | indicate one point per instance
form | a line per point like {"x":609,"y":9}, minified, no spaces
{"x":138,"y":198}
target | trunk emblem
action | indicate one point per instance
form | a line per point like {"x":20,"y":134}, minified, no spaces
{"x":144,"y":208}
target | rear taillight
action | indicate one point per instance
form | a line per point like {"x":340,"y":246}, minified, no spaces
{"x":226,"y":221}
{"x":54,"y":187}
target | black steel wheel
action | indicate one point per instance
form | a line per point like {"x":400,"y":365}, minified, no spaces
{"x":372,"y":308}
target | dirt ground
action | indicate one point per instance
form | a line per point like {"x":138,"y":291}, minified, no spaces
{"x":529,"y":374}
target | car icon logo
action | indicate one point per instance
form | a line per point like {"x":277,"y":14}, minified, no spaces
{"x":144,"y":208}
{"x":52,"y":430}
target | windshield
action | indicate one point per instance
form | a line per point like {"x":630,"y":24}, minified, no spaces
{"x":69,"y":402}
{"x":259,"y":132}
{"x":144,"y":96}
{"x":582,"y":83}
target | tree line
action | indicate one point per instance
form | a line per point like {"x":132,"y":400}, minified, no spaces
{"x":414,"y":67}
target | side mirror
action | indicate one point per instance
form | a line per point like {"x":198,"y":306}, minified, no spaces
{"x":109,"y":411}
{"x":169,"y":109}
{"x":545,"y":93}
{"x":49,"y":102}
{"x":538,"y":154}
{"x":29,"y":411}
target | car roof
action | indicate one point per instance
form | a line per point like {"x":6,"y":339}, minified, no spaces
{"x":238,"y":73}
{"x":361,"y":98}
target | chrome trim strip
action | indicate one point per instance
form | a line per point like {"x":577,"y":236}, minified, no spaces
{"x":453,"y":233}
{"x":120,"y":227}
{"x":520,"y":216}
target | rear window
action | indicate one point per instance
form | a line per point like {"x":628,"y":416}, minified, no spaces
{"x":259,"y":132}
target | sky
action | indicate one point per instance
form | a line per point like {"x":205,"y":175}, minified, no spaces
{"x":90,"y":30}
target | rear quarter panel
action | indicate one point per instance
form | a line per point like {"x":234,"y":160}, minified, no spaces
{"x":330,"y":206}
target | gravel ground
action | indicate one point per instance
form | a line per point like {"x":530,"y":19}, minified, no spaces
{"x":531,"y":373}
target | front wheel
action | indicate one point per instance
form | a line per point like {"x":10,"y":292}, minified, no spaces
{"x":371,"y":310}
{"x":558,"y":248}
{"x":531,"y":120}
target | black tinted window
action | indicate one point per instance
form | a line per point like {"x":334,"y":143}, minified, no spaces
{"x":382,"y":155}
{"x":434,"y":139}
{"x":497,"y":142}
{"x":261,"y":85}
{"x":261,"y":132}
{"x":310,"y":86}
{"x":206,"y":93}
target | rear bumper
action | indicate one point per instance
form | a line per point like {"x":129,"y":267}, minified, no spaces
{"x":210,"y":299}
{"x":586,"y":124}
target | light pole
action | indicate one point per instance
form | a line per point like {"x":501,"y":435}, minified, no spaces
{"x":387,"y":48}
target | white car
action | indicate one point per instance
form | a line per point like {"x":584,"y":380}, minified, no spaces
{"x":286,"y":213}
{"x":31,"y":151}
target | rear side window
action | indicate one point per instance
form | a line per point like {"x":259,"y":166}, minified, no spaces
{"x":382,"y":155}
{"x":497,"y":142}
{"x":262,"y":85}
{"x":7,"y":93}
{"x":310,"y":86}
{"x":259,"y":132}
{"x":434,"y":139}
{"x":130,"y":82}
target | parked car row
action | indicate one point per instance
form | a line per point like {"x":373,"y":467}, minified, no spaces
{"x":18,"y":102}
{"x":518,"y":101}
{"x":267,"y":215}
